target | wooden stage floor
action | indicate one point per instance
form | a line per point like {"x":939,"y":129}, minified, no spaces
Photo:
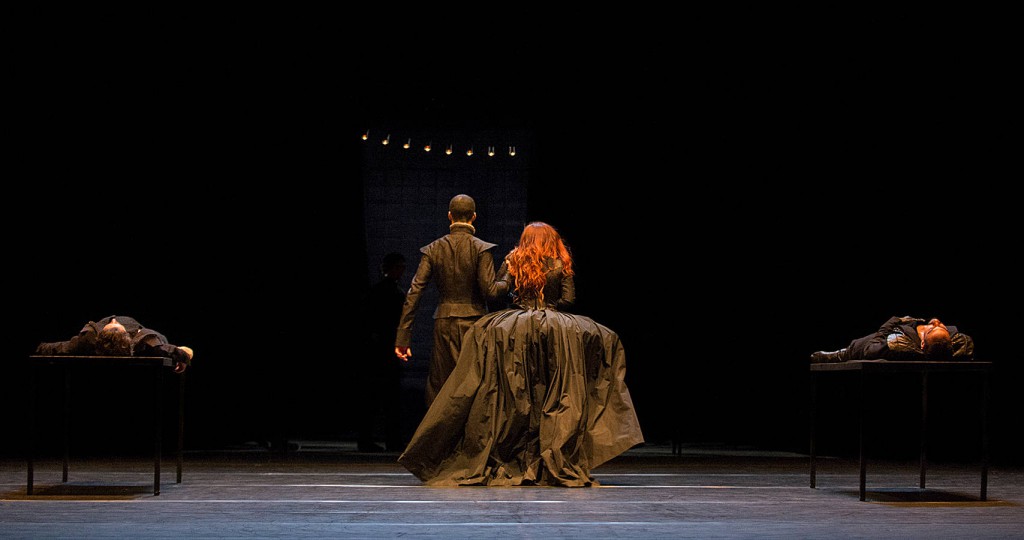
{"x":329,"y":490}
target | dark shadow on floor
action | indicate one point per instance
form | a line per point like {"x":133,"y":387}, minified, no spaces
{"x":922,"y":497}
{"x":85,"y":492}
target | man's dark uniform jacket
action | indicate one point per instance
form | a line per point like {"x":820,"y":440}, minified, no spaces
{"x":462,"y":267}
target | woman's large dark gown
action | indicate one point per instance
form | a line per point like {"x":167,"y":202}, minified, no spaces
{"x":537,"y":397}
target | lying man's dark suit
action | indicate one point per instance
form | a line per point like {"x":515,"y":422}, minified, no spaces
{"x":897,"y":339}
{"x":145,"y":341}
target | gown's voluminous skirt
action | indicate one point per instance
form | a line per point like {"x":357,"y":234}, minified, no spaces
{"x":537,"y":397}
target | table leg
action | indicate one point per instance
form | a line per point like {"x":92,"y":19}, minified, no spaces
{"x":158,"y":376}
{"x":66,"y":403}
{"x":33,"y":381}
{"x":924,"y":426}
{"x":181,"y":422}
{"x":984,"y":434}
{"x":814,"y":423}
{"x":860,"y":444}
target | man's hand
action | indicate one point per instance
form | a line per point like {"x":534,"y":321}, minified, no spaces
{"x":403,"y":352}
{"x":179,"y":367}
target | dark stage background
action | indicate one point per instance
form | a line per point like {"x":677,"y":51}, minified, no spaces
{"x":736,"y":199}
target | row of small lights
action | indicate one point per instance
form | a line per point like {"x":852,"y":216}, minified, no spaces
{"x":427,"y":147}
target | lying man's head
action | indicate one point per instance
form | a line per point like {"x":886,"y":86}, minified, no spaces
{"x":113,"y":340}
{"x":936,"y":343}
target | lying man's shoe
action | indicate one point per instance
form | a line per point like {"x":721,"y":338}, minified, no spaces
{"x":828,"y":357}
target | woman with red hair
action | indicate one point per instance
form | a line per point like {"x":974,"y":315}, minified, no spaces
{"x":538,"y":395}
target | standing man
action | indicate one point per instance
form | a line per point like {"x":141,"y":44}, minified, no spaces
{"x":462,"y":267}
{"x":379,"y":373}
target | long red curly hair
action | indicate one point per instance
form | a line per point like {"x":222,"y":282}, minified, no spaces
{"x":529,"y":262}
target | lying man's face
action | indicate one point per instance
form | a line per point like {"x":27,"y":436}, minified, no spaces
{"x":935,"y":334}
{"x":935,"y":340}
{"x":933,"y":331}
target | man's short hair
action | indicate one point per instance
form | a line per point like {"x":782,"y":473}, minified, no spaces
{"x":462,"y":207}
{"x":112,"y":342}
{"x":938,"y":349}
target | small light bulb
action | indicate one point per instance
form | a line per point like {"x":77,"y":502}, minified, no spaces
{"x":366,"y":135}
{"x":426,"y":148}
{"x":469,"y":152}
{"x":512,"y":150}
{"x":407,"y":144}
{"x":386,"y":140}
{"x":448,"y":151}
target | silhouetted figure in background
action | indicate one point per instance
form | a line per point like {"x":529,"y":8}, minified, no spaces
{"x":462,"y":267}
{"x":905,"y":338}
{"x":118,"y":335}
{"x":379,"y":386}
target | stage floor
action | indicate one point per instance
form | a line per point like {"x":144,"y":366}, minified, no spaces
{"x":329,"y":490}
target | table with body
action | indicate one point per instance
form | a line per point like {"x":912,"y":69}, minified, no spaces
{"x":155,"y":365}
{"x":865,"y":368}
